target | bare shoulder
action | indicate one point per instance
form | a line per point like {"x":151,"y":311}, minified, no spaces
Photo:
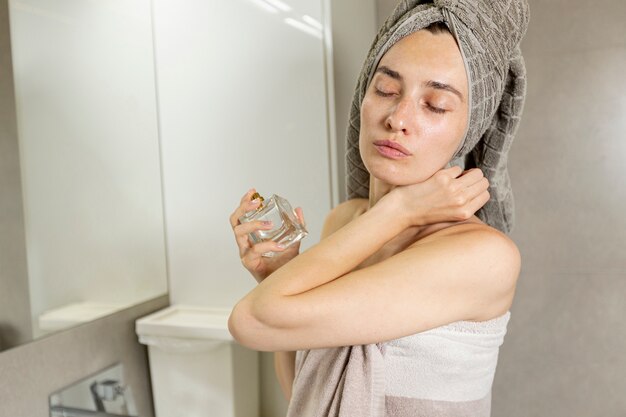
{"x":491,"y":252}
{"x":343,"y":214}
{"x":478,"y":234}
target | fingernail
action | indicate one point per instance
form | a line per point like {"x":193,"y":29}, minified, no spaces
{"x":279,"y":246}
{"x":255,"y":201}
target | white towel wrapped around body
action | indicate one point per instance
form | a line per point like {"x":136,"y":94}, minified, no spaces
{"x":446,"y":371}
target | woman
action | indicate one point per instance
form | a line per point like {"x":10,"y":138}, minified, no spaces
{"x":411,"y":258}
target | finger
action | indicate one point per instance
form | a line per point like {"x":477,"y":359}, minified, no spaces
{"x":300,"y":215}
{"x":248,"y":227}
{"x":255,"y":252}
{"x":454,"y":171}
{"x":242,"y":233}
{"x":247,"y":196}
{"x":244,"y":245}
{"x":468,"y":209}
{"x":477,"y":188}
{"x":244,"y":207}
{"x":479,"y":201}
{"x":470,"y":177}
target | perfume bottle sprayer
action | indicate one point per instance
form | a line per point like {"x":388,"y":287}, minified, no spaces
{"x":286,"y":229}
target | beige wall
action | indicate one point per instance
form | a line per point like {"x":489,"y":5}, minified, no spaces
{"x":384,"y":9}
{"x":15,"y":324}
{"x":563,"y":355}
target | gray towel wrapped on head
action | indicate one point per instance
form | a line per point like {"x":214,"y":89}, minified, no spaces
{"x":489,"y":34}
{"x":350,"y":381}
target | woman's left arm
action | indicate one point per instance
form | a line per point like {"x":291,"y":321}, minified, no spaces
{"x":303,"y":305}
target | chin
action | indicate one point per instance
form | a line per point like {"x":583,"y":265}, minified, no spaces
{"x":392,"y":175}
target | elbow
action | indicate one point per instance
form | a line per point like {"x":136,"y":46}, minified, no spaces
{"x":233,"y":326}
{"x":246,"y":329}
{"x":239,"y":324}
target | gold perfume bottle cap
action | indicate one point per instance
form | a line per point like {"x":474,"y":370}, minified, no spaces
{"x":260,"y":197}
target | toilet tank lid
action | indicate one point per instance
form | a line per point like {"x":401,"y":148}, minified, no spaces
{"x":192,"y":322}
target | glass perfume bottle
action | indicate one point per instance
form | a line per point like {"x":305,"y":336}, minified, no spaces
{"x":286,"y":230}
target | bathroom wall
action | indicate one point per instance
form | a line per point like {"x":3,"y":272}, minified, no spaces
{"x":250,"y":112}
{"x":384,"y":9}
{"x":30,"y":373}
{"x":89,"y":152}
{"x":563,"y":354}
{"x":15,"y":322}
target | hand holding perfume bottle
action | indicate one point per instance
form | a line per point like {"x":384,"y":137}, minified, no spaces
{"x":264,"y":228}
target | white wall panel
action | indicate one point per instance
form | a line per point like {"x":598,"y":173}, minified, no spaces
{"x":89,"y":151}
{"x":242,"y":103}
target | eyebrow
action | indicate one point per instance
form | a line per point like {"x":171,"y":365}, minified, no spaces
{"x":430,"y":83}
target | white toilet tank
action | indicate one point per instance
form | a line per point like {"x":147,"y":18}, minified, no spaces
{"x":197,"y":368}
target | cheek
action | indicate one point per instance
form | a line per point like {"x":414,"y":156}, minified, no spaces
{"x":438,"y":132}
{"x":449,"y":130}
{"x":459,"y":129}
{"x":370,"y":111}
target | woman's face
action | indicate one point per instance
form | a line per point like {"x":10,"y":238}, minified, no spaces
{"x":418,"y":100}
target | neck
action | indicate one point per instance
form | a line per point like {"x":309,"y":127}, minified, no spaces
{"x":378,"y":189}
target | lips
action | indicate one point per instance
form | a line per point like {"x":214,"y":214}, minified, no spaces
{"x":392,"y":145}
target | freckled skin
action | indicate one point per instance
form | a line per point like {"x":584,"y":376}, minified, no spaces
{"x":407,"y":114}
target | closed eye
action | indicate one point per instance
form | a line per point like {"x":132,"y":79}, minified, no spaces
{"x":434,"y":109}
{"x":430,"y":107}
{"x":383,"y":93}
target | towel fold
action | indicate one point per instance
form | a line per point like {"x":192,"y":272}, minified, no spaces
{"x":342,"y":382}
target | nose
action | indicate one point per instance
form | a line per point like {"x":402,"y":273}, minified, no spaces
{"x":402,"y":117}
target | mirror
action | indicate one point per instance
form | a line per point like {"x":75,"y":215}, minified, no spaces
{"x":89,"y":172}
